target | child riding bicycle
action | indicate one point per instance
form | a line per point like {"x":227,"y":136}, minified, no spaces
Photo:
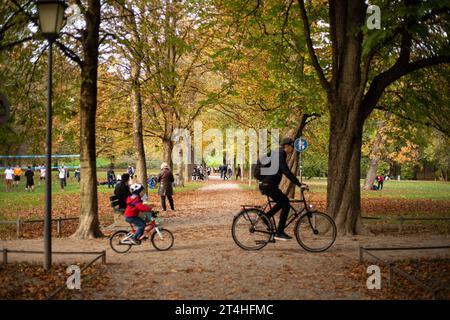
{"x":134,"y":207}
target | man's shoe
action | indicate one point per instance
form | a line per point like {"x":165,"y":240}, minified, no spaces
{"x":282,"y":236}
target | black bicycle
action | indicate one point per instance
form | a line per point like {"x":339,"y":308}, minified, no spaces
{"x":253,"y":229}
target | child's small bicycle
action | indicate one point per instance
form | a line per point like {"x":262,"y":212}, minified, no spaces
{"x":162,"y":239}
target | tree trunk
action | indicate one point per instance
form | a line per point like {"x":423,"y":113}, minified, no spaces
{"x":181,"y":168}
{"x":371,"y":173}
{"x":89,"y":223}
{"x":343,"y":187}
{"x":138,"y":138}
{"x":167,"y":151}
{"x":374,"y":157}
{"x":286,"y":185}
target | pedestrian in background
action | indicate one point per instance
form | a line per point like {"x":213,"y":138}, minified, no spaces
{"x":238,"y":172}
{"x":29,"y":174}
{"x":62,"y":177}
{"x":42,"y":170}
{"x":17,"y":174}
{"x":9,"y":177}
{"x":165,"y":179}
{"x":111,"y":176}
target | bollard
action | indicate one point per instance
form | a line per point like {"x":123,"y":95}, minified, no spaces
{"x":360,"y":254}
{"x":103,"y":257}
{"x":58,"y":227}
{"x":18,"y":225}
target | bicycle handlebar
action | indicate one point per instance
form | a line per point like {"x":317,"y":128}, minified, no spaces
{"x":304,"y":187}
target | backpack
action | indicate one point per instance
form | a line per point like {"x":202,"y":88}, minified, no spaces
{"x":257,"y":169}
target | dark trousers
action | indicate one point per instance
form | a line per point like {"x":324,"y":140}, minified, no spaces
{"x":63,"y":183}
{"x":139,"y":224}
{"x":281,"y":202}
{"x":110,"y":182}
{"x":380,"y":185}
{"x":163,"y":202}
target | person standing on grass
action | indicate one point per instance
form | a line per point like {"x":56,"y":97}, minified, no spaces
{"x":77,"y":174}
{"x":165,"y":178}
{"x":17,"y":174}
{"x":111,"y":176}
{"x":9,"y":177}
{"x":380,"y":180}
{"x":41,"y":173}
{"x":29,"y":174}
{"x":62,"y":177}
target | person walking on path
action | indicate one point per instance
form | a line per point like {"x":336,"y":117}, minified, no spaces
{"x":230,"y":172}
{"x":17,"y":174}
{"x":9,"y":177}
{"x":62,"y":177}
{"x":111,"y":176}
{"x":29,"y":174}
{"x":238,"y":172}
{"x":222,"y":172}
{"x":165,"y":179}
{"x":225,"y":172}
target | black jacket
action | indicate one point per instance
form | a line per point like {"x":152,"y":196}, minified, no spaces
{"x":275,"y":179}
{"x":122,"y":191}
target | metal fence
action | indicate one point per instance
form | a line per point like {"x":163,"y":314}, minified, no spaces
{"x":393,"y":269}
{"x":19,"y":224}
{"x":99,"y":255}
{"x":402,"y":219}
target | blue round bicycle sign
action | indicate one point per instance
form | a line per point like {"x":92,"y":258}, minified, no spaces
{"x":301,"y":144}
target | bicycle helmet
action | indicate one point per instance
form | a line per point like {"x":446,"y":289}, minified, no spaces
{"x":136,"y":188}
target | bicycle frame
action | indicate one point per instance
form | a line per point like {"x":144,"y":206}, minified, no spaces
{"x":292,"y":218}
{"x":149,"y":226}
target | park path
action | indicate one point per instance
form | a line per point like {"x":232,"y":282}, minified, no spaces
{"x":205,"y":263}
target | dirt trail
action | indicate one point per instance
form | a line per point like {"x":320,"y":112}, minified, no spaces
{"x":205,"y":263}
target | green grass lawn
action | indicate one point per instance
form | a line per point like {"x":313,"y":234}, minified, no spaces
{"x":20,"y":199}
{"x":392,"y":189}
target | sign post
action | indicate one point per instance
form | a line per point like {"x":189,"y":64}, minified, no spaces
{"x":300,"y":145}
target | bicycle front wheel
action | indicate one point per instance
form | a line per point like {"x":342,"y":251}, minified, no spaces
{"x":162,"y":240}
{"x":315,"y":231}
{"x":251,"y":229}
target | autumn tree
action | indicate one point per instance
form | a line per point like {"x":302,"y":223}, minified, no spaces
{"x":81,"y":46}
{"x":363,"y":64}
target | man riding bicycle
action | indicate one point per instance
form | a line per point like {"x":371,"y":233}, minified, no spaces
{"x":269,"y":185}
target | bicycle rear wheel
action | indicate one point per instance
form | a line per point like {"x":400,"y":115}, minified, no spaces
{"x":315,"y":231}
{"x":116,"y":239}
{"x":251,"y":229}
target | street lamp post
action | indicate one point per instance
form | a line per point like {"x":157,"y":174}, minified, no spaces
{"x":51,"y":20}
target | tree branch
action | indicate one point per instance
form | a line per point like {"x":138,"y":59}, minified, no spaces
{"x":312,"y":54}
{"x":398,"y":70}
